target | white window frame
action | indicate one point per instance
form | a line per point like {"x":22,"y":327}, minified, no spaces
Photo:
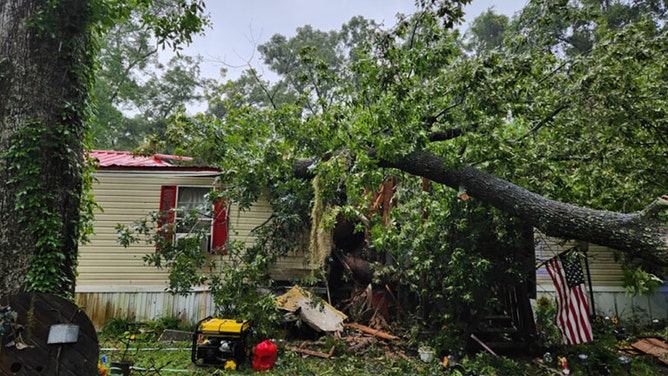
{"x":208,"y":240}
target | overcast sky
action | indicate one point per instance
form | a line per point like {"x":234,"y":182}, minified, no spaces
{"x":239,"y":26}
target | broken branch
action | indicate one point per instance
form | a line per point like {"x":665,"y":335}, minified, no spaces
{"x":367,"y":330}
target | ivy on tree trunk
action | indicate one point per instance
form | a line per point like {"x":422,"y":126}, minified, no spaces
{"x":45,"y":52}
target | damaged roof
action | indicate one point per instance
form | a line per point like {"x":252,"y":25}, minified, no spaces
{"x":110,"y":159}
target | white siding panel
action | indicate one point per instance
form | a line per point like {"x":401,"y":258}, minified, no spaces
{"x":114,"y":282}
{"x":605,"y":304}
{"x":658,"y":305}
{"x":125,"y":197}
{"x":604,"y":270}
{"x":615,"y":302}
{"x":143,"y":305}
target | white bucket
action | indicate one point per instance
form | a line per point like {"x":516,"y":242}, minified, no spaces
{"x":426,"y":354}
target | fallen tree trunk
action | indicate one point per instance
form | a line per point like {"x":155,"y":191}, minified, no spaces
{"x":642,"y":234}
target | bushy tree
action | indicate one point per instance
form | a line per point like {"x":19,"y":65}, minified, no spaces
{"x":487,"y":32}
{"x":539,"y":132}
{"x":137,"y":94}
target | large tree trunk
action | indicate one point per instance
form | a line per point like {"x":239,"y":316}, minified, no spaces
{"x":45,"y":73}
{"x":641,"y":234}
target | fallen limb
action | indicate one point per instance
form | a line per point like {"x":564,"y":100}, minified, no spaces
{"x":367,"y":330}
{"x":312,"y":352}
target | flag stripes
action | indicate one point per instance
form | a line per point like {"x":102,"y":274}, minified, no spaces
{"x":572,"y":316}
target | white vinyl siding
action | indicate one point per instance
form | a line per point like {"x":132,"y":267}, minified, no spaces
{"x":128,"y":196}
{"x":605,"y":272}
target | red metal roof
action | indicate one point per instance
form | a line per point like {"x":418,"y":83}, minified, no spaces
{"x":125,"y":159}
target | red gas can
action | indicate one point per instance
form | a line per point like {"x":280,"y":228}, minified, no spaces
{"x":264,"y":355}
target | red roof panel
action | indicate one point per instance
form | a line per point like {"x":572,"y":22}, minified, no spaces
{"x":125,"y":159}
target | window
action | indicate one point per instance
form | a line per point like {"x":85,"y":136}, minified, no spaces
{"x":193,"y":218}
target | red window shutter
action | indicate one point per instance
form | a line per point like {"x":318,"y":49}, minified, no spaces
{"x":166,"y":219}
{"x":219,"y":231}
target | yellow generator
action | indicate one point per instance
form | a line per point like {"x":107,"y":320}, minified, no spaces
{"x":220,"y":342}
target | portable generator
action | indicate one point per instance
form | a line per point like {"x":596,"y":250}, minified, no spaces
{"x":220,"y":342}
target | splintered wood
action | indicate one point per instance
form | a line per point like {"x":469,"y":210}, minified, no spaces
{"x":367,"y":330}
{"x":312,"y":310}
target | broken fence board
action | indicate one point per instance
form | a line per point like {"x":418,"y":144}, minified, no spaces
{"x":654,"y":347}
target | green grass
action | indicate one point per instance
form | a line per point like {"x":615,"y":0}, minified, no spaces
{"x":178,"y":356}
{"x":374,"y":357}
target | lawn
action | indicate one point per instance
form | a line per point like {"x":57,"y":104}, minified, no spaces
{"x":153,"y":357}
{"x":356,"y":353}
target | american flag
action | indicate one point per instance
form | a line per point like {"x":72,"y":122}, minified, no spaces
{"x":572,"y":308}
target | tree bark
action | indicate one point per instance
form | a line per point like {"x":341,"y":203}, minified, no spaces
{"x":642,"y":234}
{"x":45,"y":72}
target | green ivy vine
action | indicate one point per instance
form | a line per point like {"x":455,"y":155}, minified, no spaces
{"x":53,"y":265}
{"x":48,"y":271}
{"x":35,"y":147}
{"x":68,"y":31}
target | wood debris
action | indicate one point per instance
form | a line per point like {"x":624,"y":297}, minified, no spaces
{"x":313,"y":311}
{"x":371,"y":331}
{"x":654,"y":347}
{"x":303,"y":350}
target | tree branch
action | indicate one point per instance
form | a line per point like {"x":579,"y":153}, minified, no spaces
{"x":641,"y":234}
{"x":263,"y":88}
{"x":445,"y":135}
{"x":127,"y":70}
{"x":544,"y":121}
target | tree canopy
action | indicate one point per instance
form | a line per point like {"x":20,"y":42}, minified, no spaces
{"x":558,"y":125}
{"x":135,"y":92}
{"x":553,"y":120}
{"x":569,"y":104}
